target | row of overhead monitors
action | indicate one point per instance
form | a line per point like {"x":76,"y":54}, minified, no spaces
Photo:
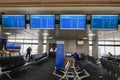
{"x":66,"y":22}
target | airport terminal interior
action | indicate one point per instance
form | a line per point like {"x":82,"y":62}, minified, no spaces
{"x":59,"y":40}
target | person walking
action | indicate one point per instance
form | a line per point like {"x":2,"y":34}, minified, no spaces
{"x":28,"y":52}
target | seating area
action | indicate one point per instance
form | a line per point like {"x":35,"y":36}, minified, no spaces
{"x":11,"y":63}
{"x":7,"y":64}
{"x":111,"y":66}
{"x":63,"y":72}
{"x":82,"y":56}
{"x":92,"y":59}
{"x":44,"y":72}
{"x":71,"y":72}
{"x":39,"y":56}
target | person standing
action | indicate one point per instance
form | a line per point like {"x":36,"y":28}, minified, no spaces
{"x":28,"y":52}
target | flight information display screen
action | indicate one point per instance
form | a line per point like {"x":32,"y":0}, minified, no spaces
{"x":104,"y":22}
{"x":73,"y":22}
{"x":13,"y":21}
{"x":42,"y":21}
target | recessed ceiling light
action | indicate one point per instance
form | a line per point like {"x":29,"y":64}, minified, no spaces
{"x":45,"y":34}
{"x":91,"y":34}
{"x":85,"y":38}
{"x":7,"y":33}
{"x":50,"y":37}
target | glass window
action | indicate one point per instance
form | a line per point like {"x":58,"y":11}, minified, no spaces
{"x":11,"y":40}
{"x":109,"y":38}
{"x":21,"y":41}
{"x":112,"y":46}
{"x":109,"y":43}
{"x":25,"y":46}
{"x":90,"y":50}
{"x":117,"y":43}
{"x":109,"y":49}
{"x":101,"y":51}
{"x":22,"y":47}
{"x":27,"y":41}
{"x":34,"y":49}
{"x":101,"y":42}
{"x":117,"y":50}
{"x":44,"y":48}
{"x":44,"y":41}
{"x":90,"y":42}
{"x":35,"y":41}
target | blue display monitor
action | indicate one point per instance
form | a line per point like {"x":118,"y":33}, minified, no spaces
{"x":42,"y":21}
{"x":12,"y":46}
{"x":68,"y":54}
{"x":104,"y":22}
{"x":13,"y":21}
{"x":73,"y":22}
{"x":3,"y":40}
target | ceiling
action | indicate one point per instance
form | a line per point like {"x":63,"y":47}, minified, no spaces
{"x":60,"y":10}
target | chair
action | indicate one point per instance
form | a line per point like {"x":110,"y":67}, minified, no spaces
{"x":5,"y":72}
{"x":103,"y":64}
{"x":62,"y":73}
{"x":8,"y":64}
{"x":117,"y":67}
{"x":77,"y":72}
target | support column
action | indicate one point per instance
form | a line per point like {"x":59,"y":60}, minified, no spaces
{"x":86,"y":47}
{"x":40,"y":45}
{"x":95,"y":47}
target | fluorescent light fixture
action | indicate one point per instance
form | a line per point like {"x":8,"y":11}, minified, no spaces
{"x":85,"y":38}
{"x":91,"y":34}
{"x":50,"y":37}
{"x":7,"y":33}
{"x":45,"y":34}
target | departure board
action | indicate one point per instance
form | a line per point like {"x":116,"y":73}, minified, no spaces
{"x":73,"y":22}
{"x":104,"y":22}
{"x":42,"y":21}
{"x":13,"y":22}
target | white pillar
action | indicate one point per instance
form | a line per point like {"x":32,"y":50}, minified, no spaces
{"x":86,"y":47}
{"x":40,"y":45}
{"x":95,"y":47}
